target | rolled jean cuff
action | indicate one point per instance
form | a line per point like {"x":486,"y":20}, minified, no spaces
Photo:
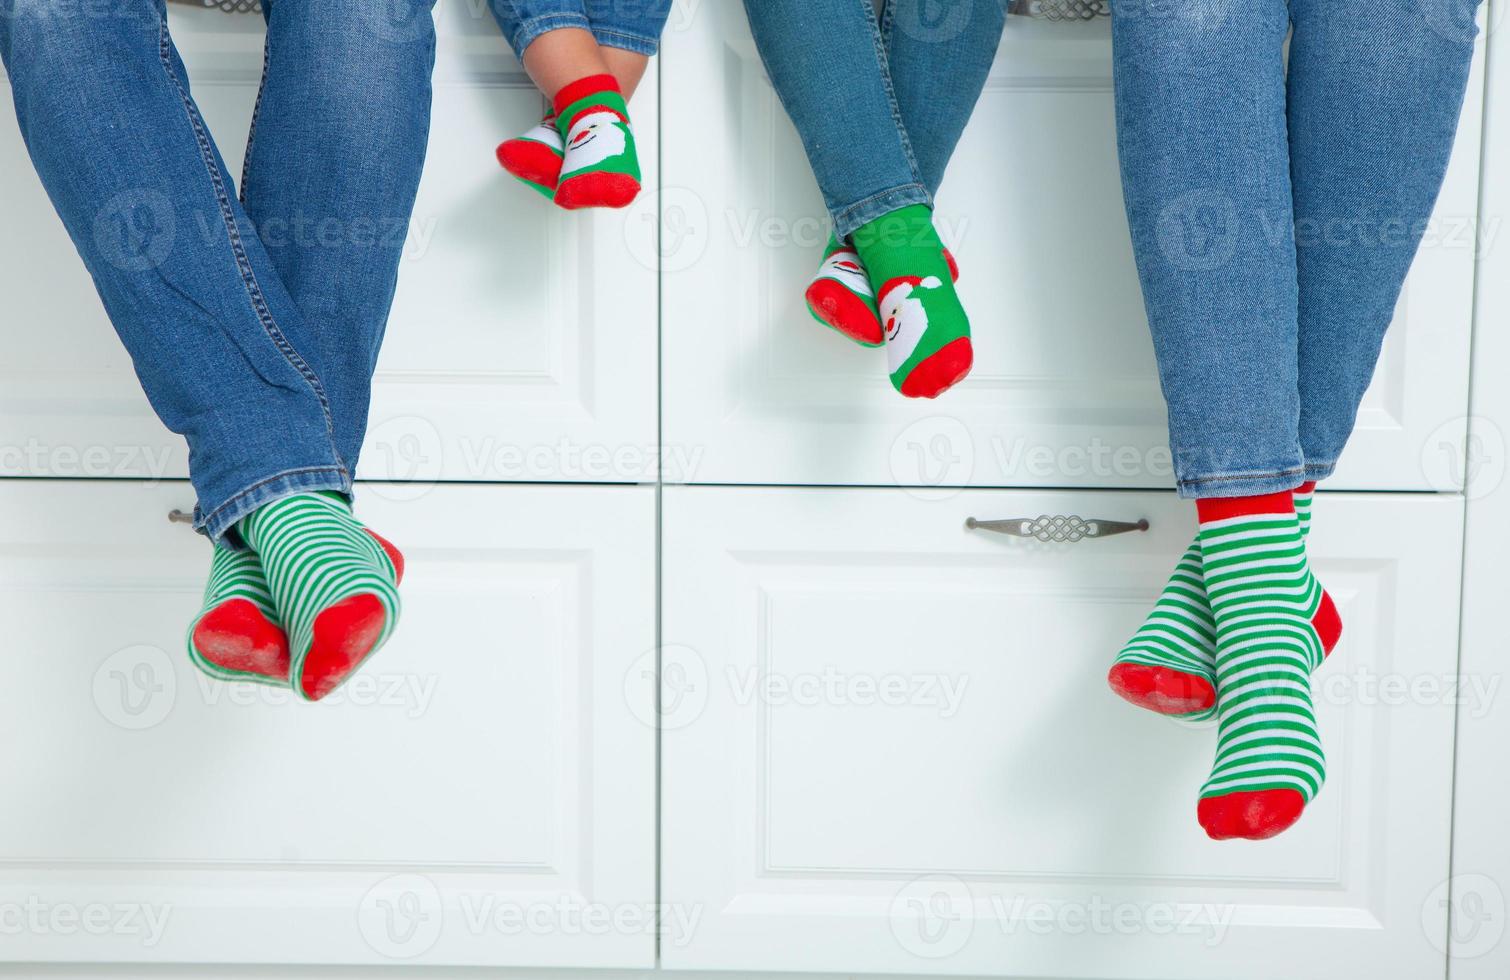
{"x":527,"y":31}
{"x":1242,"y":484}
{"x":219,"y":522}
{"x":1320,"y":471}
{"x":848,"y":219}
{"x":627,"y":41}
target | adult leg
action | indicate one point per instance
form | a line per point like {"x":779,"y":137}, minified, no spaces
{"x":222,"y":351}
{"x":940,"y":55}
{"x":1205,"y":160}
{"x":332,"y":171}
{"x":1376,"y":89}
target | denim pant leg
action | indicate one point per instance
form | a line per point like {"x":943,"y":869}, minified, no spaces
{"x":331,"y":175}
{"x":1376,"y":88}
{"x":220,"y":348}
{"x":940,"y":55}
{"x":1201,"y":133}
{"x":828,"y":65}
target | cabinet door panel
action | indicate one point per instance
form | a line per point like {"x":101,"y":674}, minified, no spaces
{"x":480,"y":787}
{"x":889,"y":742}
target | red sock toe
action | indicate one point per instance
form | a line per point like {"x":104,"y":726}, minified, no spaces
{"x":846,"y":312}
{"x":531,"y":161}
{"x":1161,"y":689}
{"x":394,"y":555}
{"x":597,"y":190}
{"x":1250,"y":816}
{"x":1328,"y":623}
{"x":345,"y":635}
{"x":235,"y":636}
{"x":944,"y":369}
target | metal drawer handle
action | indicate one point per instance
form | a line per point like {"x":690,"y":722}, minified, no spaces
{"x":1062,"y":9}
{"x":1058,"y":527}
{"x":229,"y":6}
{"x":176,"y":516}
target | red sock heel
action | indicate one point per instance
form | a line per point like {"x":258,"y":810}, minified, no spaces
{"x":235,"y":636}
{"x":1161,"y":689}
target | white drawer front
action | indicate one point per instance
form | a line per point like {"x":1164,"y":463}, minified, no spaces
{"x":1064,"y":391}
{"x":522,"y":343}
{"x":890,"y":746}
{"x":482,"y":793}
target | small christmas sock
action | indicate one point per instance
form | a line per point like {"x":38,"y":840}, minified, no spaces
{"x":237,"y":635}
{"x":1269,"y":761}
{"x":840,"y":295}
{"x":601,"y":168}
{"x":1169,"y":665}
{"x":333,"y":585}
{"x":535,"y":157}
{"x":926,"y":330}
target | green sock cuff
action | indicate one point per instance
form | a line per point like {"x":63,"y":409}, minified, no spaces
{"x":902,"y":243}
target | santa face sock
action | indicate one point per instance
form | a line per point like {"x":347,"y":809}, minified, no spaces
{"x":601,"y":168}
{"x":333,"y":584}
{"x":1269,"y":762}
{"x":237,"y":636}
{"x":1169,"y":665}
{"x":926,"y":331}
{"x":536,"y":156}
{"x":840,"y":295}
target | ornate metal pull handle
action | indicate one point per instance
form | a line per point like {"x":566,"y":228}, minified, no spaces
{"x":1058,"y":527}
{"x":1062,"y":9}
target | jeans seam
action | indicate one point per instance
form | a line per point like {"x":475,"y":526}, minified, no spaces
{"x":1235,"y":477}
{"x":251,"y":135}
{"x":644,"y":45}
{"x":243,"y":263}
{"x":881,"y":33}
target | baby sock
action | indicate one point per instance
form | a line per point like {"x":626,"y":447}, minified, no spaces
{"x":926,"y":330}
{"x":840,"y":295}
{"x":1269,"y":762}
{"x":1169,"y":665}
{"x":237,"y":635}
{"x":601,"y":168}
{"x":535,"y":156}
{"x":333,"y":585}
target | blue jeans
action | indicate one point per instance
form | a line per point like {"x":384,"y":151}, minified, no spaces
{"x":880,"y":103}
{"x":1275,"y":214}
{"x":633,"y":25}
{"x":253,"y":324}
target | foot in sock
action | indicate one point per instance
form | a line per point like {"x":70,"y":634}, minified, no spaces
{"x":237,"y":635}
{"x":601,"y":168}
{"x":926,"y":331}
{"x":1269,"y":762}
{"x":535,"y":157}
{"x":1169,"y":665}
{"x":333,"y":585}
{"x":840,"y":295}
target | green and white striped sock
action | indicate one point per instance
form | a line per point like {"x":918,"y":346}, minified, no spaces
{"x":237,"y":636}
{"x":1169,"y":665}
{"x":333,"y":585}
{"x":1269,"y":761}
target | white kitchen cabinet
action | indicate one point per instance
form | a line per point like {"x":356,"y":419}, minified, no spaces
{"x":522,"y":345}
{"x":889,"y":746}
{"x":482,"y":793}
{"x":1064,"y":390}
